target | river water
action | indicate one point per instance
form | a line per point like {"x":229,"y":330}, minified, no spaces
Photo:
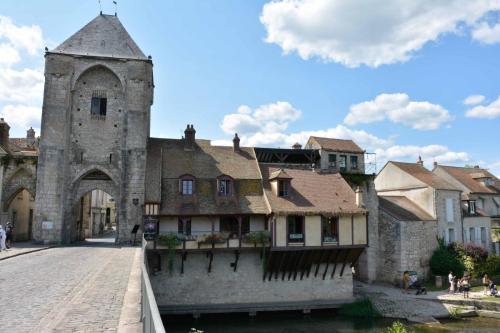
{"x":319,"y":322}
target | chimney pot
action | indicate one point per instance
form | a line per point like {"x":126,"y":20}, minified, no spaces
{"x":236,"y":143}
{"x":359,"y":197}
{"x":189,"y":137}
{"x":297,"y":146}
{"x":419,"y":161}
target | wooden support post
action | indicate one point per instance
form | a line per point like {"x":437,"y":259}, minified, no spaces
{"x":283,"y":256}
{"x":305,"y":264}
{"x":236,"y":258}
{"x":335,"y":263}
{"x":313,"y":256}
{"x":239,"y":230}
{"x":299,"y":264}
{"x":211,"y":256}
{"x":322,"y":252}
{"x":344,"y":262}
{"x":328,"y":259}
{"x":183,"y":258}
{"x":213,"y":231}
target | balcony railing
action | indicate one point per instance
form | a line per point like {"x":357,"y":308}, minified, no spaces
{"x":206,"y":239}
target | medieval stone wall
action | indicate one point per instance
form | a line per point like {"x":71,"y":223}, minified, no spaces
{"x":367,"y":263}
{"x":224,"y":286}
{"x":73,"y":142}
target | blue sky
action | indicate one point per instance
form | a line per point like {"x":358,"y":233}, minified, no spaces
{"x":391,"y":75}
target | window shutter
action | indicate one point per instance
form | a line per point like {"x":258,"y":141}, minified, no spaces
{"x":449,"y":210}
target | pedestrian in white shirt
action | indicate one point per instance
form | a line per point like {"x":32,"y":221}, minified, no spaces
{"x":3,"y":236}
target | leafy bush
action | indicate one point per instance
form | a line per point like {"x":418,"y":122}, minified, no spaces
{"x":397,"y":327}
{"x":443,"y":261}
{"x":359,"y":308}
{"x":472,"y":256}
{"x":491,"y":265}
{"x":258,"y":237}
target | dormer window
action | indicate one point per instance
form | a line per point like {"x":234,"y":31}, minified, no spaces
{"x":332,"y":160}
{"x":343,"y":163}
{"x":354,"y":162}
{"x":472,"y":207}
{"x":280,"y":182}
{"x":186,"y":185}
{"x":224,"y":187}
{"x":283,"y":187}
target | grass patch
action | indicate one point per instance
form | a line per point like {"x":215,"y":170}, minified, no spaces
{"x":359,"y":308}
{"x":430,"y":286}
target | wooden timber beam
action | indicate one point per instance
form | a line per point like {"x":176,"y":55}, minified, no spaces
{"x":307,"y":263}
{"x":236,"y":258}
{"x":337,"y":254}
{"x":322,"y":253}
{"x":210,"y":254}
{"x":283,"y":256}
{"x":299,"y":264}
{"x":344,"y":262}
{"x":328,"y":259}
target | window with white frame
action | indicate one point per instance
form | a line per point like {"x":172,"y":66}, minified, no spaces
{"x":332,"y":160}
{"x":186,"y":185}
{"x":472,"y":235}
{"x":225,"y":185}
{"x":449,"y":210}
{"x":472,"y":207}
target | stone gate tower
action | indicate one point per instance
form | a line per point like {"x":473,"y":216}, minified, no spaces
{"x":95,"y":125}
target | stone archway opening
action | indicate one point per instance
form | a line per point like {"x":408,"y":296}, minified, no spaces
{"x":96,"y":217}
{"x":19,"y":211}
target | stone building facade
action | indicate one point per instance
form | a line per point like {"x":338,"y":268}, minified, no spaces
{"x":95,"y":125}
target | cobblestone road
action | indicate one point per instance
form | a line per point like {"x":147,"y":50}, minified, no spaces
{"x":66,"y":289}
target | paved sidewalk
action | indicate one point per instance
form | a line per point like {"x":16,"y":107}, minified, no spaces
{"x":67,"y":289}
{"x":21,"y":248}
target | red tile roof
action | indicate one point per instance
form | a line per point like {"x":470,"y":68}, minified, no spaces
{"x":340,"y":145}
{"x":468,"y":177}
{"x":425,"y":176}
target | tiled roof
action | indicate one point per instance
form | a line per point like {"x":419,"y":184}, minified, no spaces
{"x":311,"y":192}
{"x":19,"y":146}
{"x":424,"y":175}
{"x":403,"y":209}
{"x":280,"y":173}
{"x":103,"y":36}
{"x":337,"y":145}
{"x":468,"y":177}
{"x":205,"y":162}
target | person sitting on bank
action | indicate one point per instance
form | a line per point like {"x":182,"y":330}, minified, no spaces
{"x":406,"y":282}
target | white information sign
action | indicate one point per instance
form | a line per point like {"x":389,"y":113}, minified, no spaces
{"x":47,"y":225}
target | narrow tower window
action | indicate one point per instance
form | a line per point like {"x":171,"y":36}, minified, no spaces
{"x":98,"y":104}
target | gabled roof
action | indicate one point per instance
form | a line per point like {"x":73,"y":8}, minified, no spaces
{"x":339,"y":145}
{"x":279,"y":174}
{"x":427,"y":177}
{"x":468,"y":177}
{"x":167,"y":161}
{"x":403,"y":209}
{"x":103,"y":36}
{"x":311,"y":192}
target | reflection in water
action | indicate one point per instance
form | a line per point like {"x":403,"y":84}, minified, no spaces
{"x":318,"y":322}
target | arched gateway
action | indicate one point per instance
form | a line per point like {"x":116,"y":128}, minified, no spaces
{"x":95,"y":125}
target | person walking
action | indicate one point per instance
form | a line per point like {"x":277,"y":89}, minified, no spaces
{"x":8,"y":232}
{"x":465,"y":283}
{"x":486,"y":284}
{"x":451,"y":278}
{"x":3,"y":236}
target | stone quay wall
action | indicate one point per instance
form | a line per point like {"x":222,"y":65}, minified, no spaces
{"x":224,"y":286}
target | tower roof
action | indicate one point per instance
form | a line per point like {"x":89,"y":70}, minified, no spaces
{"x":103,"y":36}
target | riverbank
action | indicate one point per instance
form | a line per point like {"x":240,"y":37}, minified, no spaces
{"x":391,"y":302}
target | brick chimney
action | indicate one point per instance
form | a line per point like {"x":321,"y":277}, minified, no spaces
{"x":359,"y":197}
{"x":4,"y":134}
{"x":236,"y":143}
{"x":189,"y":137}
{"x":419,"y":161}
{"x":30,"y":137}
{"x":297,"y":146}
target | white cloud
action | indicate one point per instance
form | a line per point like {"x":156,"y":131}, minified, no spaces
{"x":429,"y":153}
{"x":398,"y":108}
{"x":489,"y":111}
{"x":21,"y":88}
{"x":254,"y":133}
{"x":359,"y":32}
{"x":487,"y":34}
{"x":474,"y":100}
{"x":21,"y":117}
{"x":269,"y":118}
{"x":24,"y":37}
